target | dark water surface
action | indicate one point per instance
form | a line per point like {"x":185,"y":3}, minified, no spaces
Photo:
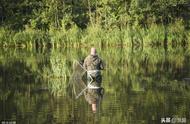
{"x":141,"y":86}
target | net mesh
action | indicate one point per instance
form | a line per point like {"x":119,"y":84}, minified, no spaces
{"x":78,"y":78}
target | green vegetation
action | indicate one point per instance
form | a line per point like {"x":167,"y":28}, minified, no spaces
{"x":142,"y":82}
{"x":147,"y":84}
{"x":55,"y":66}
{"x":55,"y":23}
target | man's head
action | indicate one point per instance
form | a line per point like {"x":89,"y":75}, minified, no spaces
{"x":93,"y":51}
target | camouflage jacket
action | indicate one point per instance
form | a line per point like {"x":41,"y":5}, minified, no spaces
{"x":93,"y":63}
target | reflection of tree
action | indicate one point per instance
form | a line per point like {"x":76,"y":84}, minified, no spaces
{"x":56,"y":73}
{"x":23,"y":94}
{"x":150,"y":70}
{"x":59,"y":69}
{"x":159,"y":75}
{"x":16,"y":78}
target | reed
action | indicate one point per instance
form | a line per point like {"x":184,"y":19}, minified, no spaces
{"x":6,"y":37}
{"x":188,"y":37}
{"x":93,"y":35}
{"x":177,"y":33}
{"x":30,"y":37}
{"x":155,"y":35}
{"x":97,"y":35}
{"x":138,"y":65}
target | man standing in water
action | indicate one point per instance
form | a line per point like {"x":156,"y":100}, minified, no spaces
{"x":93,"y":64}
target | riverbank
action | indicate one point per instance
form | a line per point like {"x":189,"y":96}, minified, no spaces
{"x":154,"y":35}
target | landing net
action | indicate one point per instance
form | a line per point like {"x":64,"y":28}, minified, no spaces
{"x":78,"y":79}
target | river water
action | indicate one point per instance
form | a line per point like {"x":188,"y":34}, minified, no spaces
{"x":142,"y":86}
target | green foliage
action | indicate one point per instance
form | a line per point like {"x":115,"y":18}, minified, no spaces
{"x":30,"y":37}
{"x":177,"y":33}
{"x":155,"y":34}
{"x":45,"y":13}
{"x":94,"y":22}
{"x":188,"y":36}
{"x":5,"y":36}
{"x":140,"y":85}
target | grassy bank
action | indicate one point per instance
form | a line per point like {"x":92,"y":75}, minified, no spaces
{"x":172,"y":34}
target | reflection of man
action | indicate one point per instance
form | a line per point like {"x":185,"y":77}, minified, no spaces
{"x":93,"y":64}
{"x":93,"y":97}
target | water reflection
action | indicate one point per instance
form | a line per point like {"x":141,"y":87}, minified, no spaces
{"x":94,"y":97}
{"x":140,"y":87}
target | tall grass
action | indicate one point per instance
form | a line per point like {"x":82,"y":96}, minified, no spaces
{"x":95,"y":34}
{"x":30,"y":37}
{"x":188,"y":36}
{"x":177,"y":33}
{"x":6,"y":36}
{"x":63,"y":37}
{"x":138,"y":66}
{"x":155,"y":34}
